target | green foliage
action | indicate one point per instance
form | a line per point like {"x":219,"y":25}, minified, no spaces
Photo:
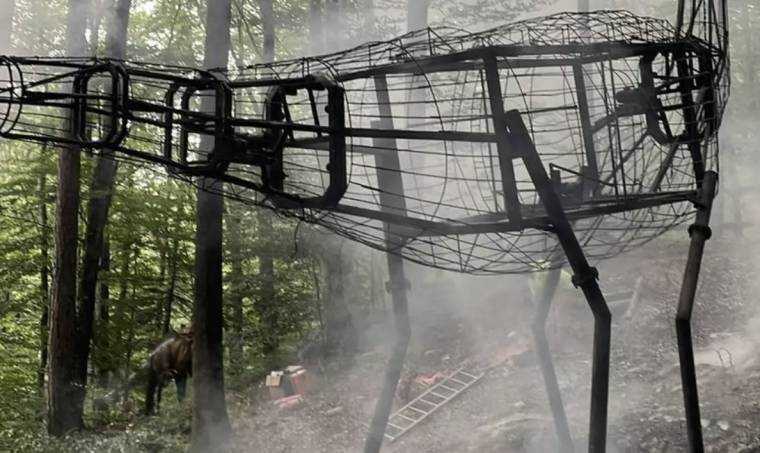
{"x":116,"y":432}
{"x":151,"y":233}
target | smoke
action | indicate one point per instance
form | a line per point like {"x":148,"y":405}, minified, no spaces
{"x":456,"y":318}
{"x":7,"y":8}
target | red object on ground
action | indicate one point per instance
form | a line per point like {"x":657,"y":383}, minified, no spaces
{"x":300,"y":381}
{"x":294,"y":380}
{"x":276,"y":393}
{"x":430,"y":378}
{"x":289,"y":402}
{"x":509,"y":353}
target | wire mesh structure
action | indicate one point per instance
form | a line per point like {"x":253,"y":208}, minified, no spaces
{"x":520,"y":148}
{"x":622,"y":109}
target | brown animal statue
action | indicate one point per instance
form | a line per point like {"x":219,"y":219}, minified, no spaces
{"x":172,"y":359}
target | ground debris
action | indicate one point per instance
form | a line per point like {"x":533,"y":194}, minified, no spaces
{"x":508,"y":412}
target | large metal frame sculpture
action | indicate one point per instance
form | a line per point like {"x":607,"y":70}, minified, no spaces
{"x":435,"y":146}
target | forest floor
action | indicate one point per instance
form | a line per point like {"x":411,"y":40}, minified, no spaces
{"x":508,"y":410}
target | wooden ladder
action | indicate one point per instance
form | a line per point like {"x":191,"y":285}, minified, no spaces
{"x":622,"y":304}
{"x":420,"y":408}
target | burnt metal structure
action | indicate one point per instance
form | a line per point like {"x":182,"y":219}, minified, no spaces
{"x":435,"y":146}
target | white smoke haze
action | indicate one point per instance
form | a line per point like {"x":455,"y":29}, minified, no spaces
{"x":485,"y":321}
{"x":456,"y":318}
{"x":459,"y":317}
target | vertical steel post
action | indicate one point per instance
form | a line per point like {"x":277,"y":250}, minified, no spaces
{"x":584,"y":276}
{"x":586,"y":128}
{"x":543,"y":305}
{"x":699,"y":233}
{"x":391,"y":200}
{"x":508,"y":181}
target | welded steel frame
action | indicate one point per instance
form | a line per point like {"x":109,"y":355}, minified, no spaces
{"x":510,"y":135}
{"x":230,"y":147}
{"x":235,"y":147}
{"x":520,"y":216}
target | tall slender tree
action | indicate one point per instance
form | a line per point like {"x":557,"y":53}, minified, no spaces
{"x":340,"y":336}
{"x":416,"y":14}
{"x":267,"y":306}
{"x":7,"y":10}
{"x":369,"y":23}
{"x":171,"y":288}
{"x":211,"y":426}
{"x":316,"y":24}
{"x":334,"y":26}
{"x":233,"y":220}
{"x":64,"y":414}
{"x":44,"y":272}
{"x":99,"y":203}
{"x":267,"y":25}
{"x":101,"y":338}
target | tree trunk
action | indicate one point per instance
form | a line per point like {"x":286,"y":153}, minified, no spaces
{"x":116,"y":38}
{"x":163,"y":259}
{"x":128,"y":256}
{"x":124,"y":318}
{"x":210,"y":422}
{"x":171,"y":287}
{"x":211,"y":426}
{"x":44,"y":275}
{"x":98,"y":7}
{"x":7,"y":10}
{"x":267,"y":304}
{"x":101,"y":190}
{"x":120,"y":317}
{"x":340,"y":332}
{"x":130,"y":348}
{"x":236,"y":288}
{"x":416,"y":19}
{"x":416,"y":14}
{"x":102,"y":338}
{"x":335,"y":33}
{"x":316,"y":30}
{"x":369,"y":30}
{"x":267,"y":23}
{"x":314,"y":268}
{"x":105,"y":289}
{"x":64,"y":412}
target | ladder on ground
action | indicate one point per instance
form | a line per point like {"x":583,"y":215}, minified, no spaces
{"x":622,"y":304}
{"x":420,"y":408}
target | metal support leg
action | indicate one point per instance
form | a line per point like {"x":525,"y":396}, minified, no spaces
{"x":699,"y":232}
{"x":584,"y":277}
{"x":543,"y":305}
{"x":391,"y":191}
{"x":600,"y":372}
{"x":398,"y":286}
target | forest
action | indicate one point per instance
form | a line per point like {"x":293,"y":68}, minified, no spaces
{"x":102,"y":261}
